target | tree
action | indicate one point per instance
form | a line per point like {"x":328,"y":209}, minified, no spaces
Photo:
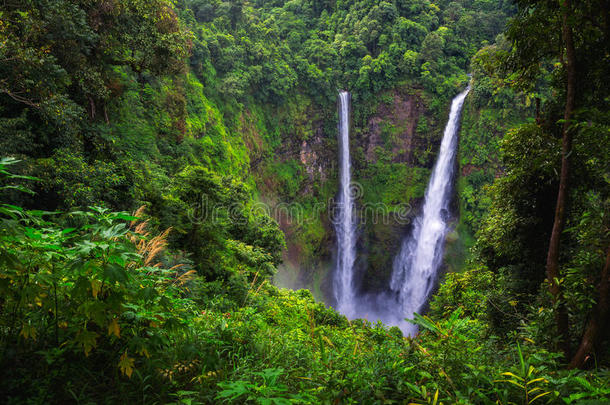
{"x":591,"y":339}
{"x":552,"y":261}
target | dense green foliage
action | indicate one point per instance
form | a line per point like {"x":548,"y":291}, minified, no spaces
{"x":106,"y":297}
{"x":269,"y":49}
{"x":136,"y":258}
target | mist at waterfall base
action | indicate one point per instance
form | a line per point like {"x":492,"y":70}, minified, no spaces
{"x":416,"y":266}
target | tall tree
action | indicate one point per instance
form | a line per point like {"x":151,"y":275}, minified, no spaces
{"x":534,"y":34}
{"x":552,"y":260}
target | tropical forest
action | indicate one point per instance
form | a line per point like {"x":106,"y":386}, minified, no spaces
{"x":305,"y":202}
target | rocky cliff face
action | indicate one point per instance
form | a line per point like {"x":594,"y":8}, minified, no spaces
{"x":402,"y":114}
{"x":315,"y":158}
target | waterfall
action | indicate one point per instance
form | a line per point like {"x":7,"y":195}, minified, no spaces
{"x":345,"y":226}
{"x":416,"y":265}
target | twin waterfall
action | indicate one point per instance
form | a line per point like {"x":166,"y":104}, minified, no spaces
{"x":345,"y":224}
{"x":415,"y":269}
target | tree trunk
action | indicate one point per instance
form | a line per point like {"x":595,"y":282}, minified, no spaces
{"x":91,"y":107}
{"x":593,"y":334}
{"x":552,"y":260}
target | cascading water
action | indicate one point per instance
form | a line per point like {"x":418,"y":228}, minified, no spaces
{"x":416,"y":266}
{"x":345,"y":225}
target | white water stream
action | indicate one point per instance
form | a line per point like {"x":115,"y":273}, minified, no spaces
{"x":345,"y":224}
{"x":416,"y":266}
